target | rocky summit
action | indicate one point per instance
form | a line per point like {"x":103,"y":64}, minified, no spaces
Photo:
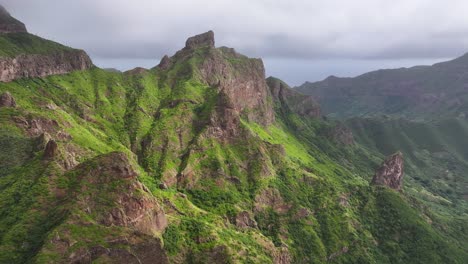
{"x":202,"y":40}
{"x":202,"y":159}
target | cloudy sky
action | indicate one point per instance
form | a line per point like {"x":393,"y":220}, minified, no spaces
{"x":299,"y":40}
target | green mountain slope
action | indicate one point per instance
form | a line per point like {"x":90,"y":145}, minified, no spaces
{"x":197,"y":160}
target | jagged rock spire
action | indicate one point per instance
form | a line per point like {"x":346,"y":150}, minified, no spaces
{"x":390,"y":173}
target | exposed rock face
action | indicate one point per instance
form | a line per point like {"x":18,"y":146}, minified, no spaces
{"x":133,"y":206}
{"x":136,"y":71}
{"x":239,"y":79}
{"x":135,"y":249}
{"x":8,"y":24}
{"x":165,"y":63}
{"x":50,"y":149}
{"x":242,"y":83}
{"x":224,"y":120}
{"x":390,"y":173}
{"x":271,"y":198}
{"x":35,"y":65}
{"x":202,"y":40}
{"x":282,"y":256}
{"x":341,"y":134}
{"x":7,"y":100}
{"x":300,"y":104}
{"x":243,"y":220}
{"x":108,"y":192}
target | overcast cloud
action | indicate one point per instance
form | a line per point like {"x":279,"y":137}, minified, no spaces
{"x":299,"y":40}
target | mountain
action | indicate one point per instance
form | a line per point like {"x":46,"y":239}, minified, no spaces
{"x":199,"y":159}
{"x":421,"y":92}
{"x":26,"y":55}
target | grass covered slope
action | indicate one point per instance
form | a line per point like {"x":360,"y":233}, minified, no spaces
{"x":169,"y":165}
{"x":14,"y":44}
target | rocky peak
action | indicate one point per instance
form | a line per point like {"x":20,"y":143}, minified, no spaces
{"x":240,"y":80}
{"x":9,"y":24}
{"x":202,"y":40}
{"x":7,"y":100}
{"x":165,"y":63}
{"x":298,"y":103}
{"x":390,"y":173}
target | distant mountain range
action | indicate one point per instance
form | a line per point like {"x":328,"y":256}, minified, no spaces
{"x":421,"y":92}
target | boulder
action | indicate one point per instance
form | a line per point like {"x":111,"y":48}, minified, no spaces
{"x":7,"y":100}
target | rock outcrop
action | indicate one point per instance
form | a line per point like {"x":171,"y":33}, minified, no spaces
{"x":241,"y":80}
{"x":133,"y":206}
{"x":341,"y":134}
{"x":390,"y":173}
{"x":201,"y":40}
{"x":8,"y":24}
{"x":300,"y":104}
{"x":165,"y":63}
{"x":38,"y":65}
{"x":50,"y":150}
{"x":7,"y":100}
{"x":244,"y":220}
{"x":24,"y":64}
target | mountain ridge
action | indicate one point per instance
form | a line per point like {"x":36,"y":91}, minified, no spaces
{"x":197,"y":160}
{"x":420,"y":92}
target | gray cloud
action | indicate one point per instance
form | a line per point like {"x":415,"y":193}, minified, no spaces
{"x":277,"y":30}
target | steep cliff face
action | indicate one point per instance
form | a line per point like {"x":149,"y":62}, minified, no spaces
{"x":36,"y":65}
{"x":240,"y":78}
{"x":390,"y":173}
{"x":34,"y":57}
{"x":300,"y":104}
{"x":104,"y":194}
{"x":8,"y":24}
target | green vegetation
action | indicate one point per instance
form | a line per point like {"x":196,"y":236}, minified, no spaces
{"x":306,"y":197}
{"x":14,"y":44}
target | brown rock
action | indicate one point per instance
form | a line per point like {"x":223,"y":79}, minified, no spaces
{"x":242,"y":85}
{"x":136,"y":71}
{"x":39,"y":126}
{"x":288,"y":98}
{"x":271,"y":198}
{"x":7,"y":100}
{"x":203,"y":40}
{"x":390,"y":173}
{"x":133,"y":206}
{"x":36,"y":65}
{"x":341,"y":134}
{"x":243,"y":220}
{"x":51,"y":149}
{"x":165,"y":63}
{"x":282,"y":256}
{"x":163,"y":186}
{"x":8,"y":24}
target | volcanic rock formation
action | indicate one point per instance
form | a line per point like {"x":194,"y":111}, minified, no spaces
{"x":390,"y":173}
